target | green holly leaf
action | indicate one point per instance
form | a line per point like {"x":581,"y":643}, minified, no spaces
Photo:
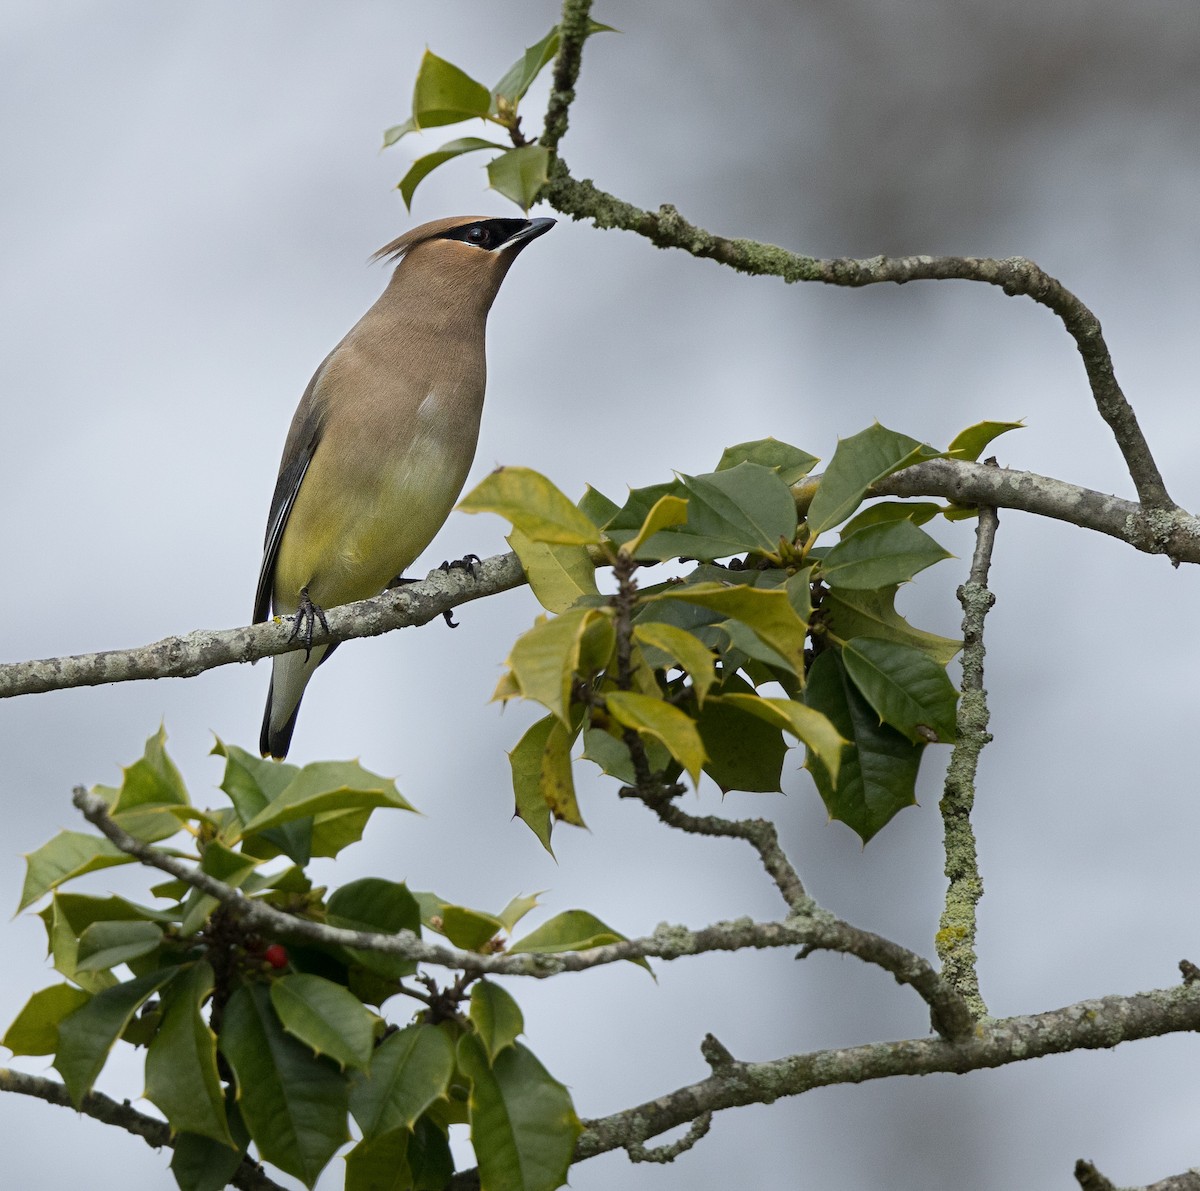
{"x":860,"y":461}
{"x":906,"y":687}
{"x":519,"y":174}
{"x":35,"y":1030}
{"x":181,"y":1060}
{"x":424,"y":166}
{"x":523,"y":1124}
{"x":383,"y":907}
{"x":790,"y":463}
{"x":294,"y":1103}
{"x":325,"y":786}
{"x":880,"y":556}
{"x":445,"y":94}
{"x":497,"y":1018}
{"x":850,"y":614}
{"x":86,"y":1036}
{"x":877,"y":776}
{"x":409,"y":1070}
{"x":326,"y":1017}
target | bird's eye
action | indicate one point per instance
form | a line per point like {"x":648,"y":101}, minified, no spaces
{"x":480,"y":235}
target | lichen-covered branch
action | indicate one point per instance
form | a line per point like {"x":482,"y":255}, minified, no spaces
{"x":1016,"y":276}
{"x":194,"y":653}
{"x":956,"y":933}
{"x":1090,"y":1179}
{"x":1087,"y":1025}
{"x":1172,"y":532}
{"x":823,"y":931}
{"x":155,"y":1133}
{"x":572,"y":28}
{"x":812,"y":930}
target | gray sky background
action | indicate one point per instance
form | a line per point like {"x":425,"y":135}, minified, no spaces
{"x":191,"y":192}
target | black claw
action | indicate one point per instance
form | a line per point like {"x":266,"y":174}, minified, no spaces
{"x":448,"y":617}
{"x":307,"y":614}
{"x":468,"y":562}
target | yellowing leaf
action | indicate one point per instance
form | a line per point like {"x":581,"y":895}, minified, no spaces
{"x":805,"y":723}
{"x":558,"y":574}
{"x":768,"y":611}
{"x":667,"y":511}
{"x":969,"y":443}
{"x":685,"y":648}
{"x":665,"y":723}
{"x":532,"y":504}
{"x":547,"y":659}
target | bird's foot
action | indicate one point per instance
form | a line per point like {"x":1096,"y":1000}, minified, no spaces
{"x":401,"y":581}
{"x":307,"y":614}
{"x":469,"y":563}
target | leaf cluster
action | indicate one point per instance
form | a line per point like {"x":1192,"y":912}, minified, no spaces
{"x":445,"y":94}
{"x":774,"y":636}
{"x":250,"y":1043}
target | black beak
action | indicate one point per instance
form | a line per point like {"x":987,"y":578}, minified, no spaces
{"x":532,"y":229}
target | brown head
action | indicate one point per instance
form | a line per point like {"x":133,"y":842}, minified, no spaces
{"x":460,"y":258}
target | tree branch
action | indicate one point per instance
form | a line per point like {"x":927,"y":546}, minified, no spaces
{"x":1172,"y":531}
{"x":573,"y":31}
{"x":194,"y":653}
{"x":1090,"y":1179}
{"x":956,"y":933}
{"x":813,"y":930}
{"x":666,"y":228}
{"x":1087,"y":1025}
{"x":155,"y":1133}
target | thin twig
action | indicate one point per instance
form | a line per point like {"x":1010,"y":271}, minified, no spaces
{"x":573,"y":30}
{"x":1016,"y":276}
{"x":760,"y":834}
{"x":956,"y":933}
{"x":823,"y":931}
{"x":155,"y":1133}
{"x":815,"y":931}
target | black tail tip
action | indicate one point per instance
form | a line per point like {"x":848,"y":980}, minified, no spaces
{"x":274,"y":743}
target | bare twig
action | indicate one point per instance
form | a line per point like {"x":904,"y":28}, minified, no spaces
{"x":193,"y":653}
{"x":956,"y":932}
{"x":1087,"y":1025}
{"x":760,"y":834}
{"x":155,"y":1133}
{"x":666,"y":228}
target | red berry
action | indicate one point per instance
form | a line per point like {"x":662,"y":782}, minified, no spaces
{"x":276,"y":955}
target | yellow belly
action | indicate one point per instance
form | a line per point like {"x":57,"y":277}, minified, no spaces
{"x":362,"y":516}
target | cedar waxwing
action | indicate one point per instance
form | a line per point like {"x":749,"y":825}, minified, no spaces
{"x":382,"y":441}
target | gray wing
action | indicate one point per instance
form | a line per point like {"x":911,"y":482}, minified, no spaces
{"x":302,"y":441}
